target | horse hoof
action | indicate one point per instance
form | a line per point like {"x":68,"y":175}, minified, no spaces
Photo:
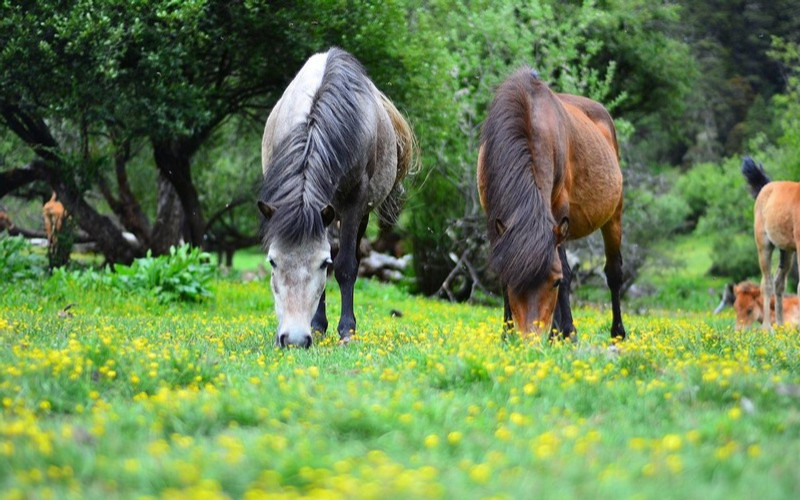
{"x":344,"y":341}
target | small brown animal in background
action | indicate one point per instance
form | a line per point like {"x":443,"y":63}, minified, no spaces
{"x":5,"y":221}
{"x":749,"y":306}
{"x":53,"y":213}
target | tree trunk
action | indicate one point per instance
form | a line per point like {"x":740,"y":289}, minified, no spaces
{"x":18,"y":177}
{"x":36,"y":134}
{"x":173,"y":158}
{"x":168,"y":228}
{"x":126,"y":206}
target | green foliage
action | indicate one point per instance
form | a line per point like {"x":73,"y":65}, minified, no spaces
{"x":183,"y":275}
{"x":18,"y":261}
{"x":735,"y":257}
{"x":721,"y":206}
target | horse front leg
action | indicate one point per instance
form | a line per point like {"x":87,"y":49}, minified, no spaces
{"x":346,"y":268}
{"x":319,"y":323}
{"x":508,"y":320}
{"x":784,"y":264}
{"x":612,"y":240}
{"x":563,"y":314}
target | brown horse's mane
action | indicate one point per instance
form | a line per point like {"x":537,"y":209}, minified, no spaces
{"x":523,"y":253}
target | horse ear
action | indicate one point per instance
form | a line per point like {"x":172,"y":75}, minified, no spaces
{"x":266,"y":210}
{"x":499,"y":227}
{"x":562,"y":230}
{"x":328,"y":215}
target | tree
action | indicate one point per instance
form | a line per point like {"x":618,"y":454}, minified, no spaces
{"x":164,"y":74}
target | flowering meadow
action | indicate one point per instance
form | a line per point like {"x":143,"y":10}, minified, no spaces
{"x":122,"y":396}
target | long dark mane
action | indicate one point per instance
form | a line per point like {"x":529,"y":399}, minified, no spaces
{"x":307,"y":167}
{"x":523,"y":253}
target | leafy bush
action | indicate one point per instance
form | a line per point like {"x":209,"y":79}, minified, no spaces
{"x":18,"y":262}
{"x":183,"y":275}
{"x":702,"y":185}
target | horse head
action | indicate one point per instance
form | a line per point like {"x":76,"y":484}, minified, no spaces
{"x":533,"y":305}
{"x":748,"y":305}
{"x":299,"y":272}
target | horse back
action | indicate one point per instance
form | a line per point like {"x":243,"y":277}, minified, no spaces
{"x":776,"y":214}
{"x":597,"y":113}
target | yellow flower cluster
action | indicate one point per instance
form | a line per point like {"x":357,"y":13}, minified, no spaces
{"x":197,"y":403}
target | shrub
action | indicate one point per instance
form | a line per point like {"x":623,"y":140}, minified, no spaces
{"x":18,"y":262}
{"x":183,"y":275}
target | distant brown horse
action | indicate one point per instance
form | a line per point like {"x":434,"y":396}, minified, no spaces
{"x":53,"y":214}
{"x":548,"y":172}
{"x":776,"y":224}
{"x":749,"y":306}
{"x":5,"y":221}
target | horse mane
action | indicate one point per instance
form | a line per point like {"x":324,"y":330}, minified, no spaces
{"x":755,"y":175}
{"x":523,"y":253}
{"x":308,"y":165}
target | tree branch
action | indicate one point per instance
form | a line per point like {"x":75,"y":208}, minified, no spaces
{"x":18,"y":177}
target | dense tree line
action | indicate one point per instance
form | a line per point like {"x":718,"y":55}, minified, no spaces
{"x":145,"y":116}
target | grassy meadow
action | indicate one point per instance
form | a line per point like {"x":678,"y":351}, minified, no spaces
{"x":121,"y":396}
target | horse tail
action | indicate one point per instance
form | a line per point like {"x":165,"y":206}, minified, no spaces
{"x":407,"y":163}
{"x":755,"y":175}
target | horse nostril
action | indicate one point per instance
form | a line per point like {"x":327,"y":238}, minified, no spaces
{"x":282,"y":339}
{"x":308,"y":342}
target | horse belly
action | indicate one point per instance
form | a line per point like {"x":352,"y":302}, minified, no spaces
{"x":593,"y":200}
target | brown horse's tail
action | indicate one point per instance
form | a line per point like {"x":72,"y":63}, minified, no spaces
{"x":755,"y":175}
{"x":407,"y":164}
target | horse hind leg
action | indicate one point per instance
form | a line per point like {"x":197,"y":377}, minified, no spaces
{"x":765,"y":263}
{"x":784,"y":264}
{"x":612,"y":240}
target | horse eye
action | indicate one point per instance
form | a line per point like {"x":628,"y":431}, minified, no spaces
{"x":326,"y":263}
{"x":272,"y":264}
{"x":557,"y":283}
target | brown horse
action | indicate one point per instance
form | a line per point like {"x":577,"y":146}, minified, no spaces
{"x":776,"y":224}
{"x":548,"y":171}
{"x":53,"y":214}
{"x":750,"y":307}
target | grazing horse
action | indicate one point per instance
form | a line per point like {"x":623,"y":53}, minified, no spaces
{"x":53,"y":214}
{"x":749,"y":306}
{"x":548,"y":172}
{"x":776,"y":224}
{"x":334,"y":148}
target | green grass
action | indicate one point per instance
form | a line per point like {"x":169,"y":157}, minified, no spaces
{"x":130,"y":398}
{"x":676,"y":278}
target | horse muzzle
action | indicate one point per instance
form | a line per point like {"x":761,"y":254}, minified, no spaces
{"x":300,"y":339}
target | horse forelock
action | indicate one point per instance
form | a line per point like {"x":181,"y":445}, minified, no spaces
{"x":308,"y":165}
{"x":523,"y":254}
